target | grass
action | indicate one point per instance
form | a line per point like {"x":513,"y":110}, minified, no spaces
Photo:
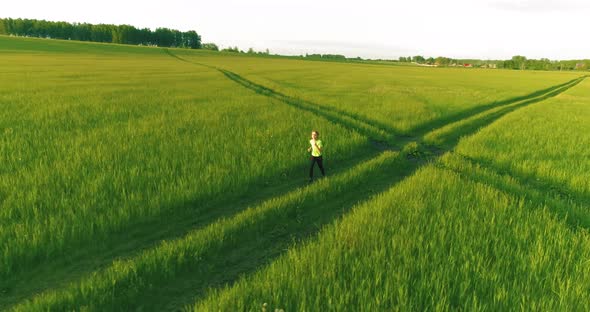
{"x":403,"y":98}
{"x":462,"y":233}
{"x":91,"y":149}
{"x":120,"y":286}
{"x":441,"y":135}
{"x":451,"y":243}
{"x":555,"y":134}
{"x":151,"y":179}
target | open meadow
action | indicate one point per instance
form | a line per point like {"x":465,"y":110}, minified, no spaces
{"x":150,"y":179}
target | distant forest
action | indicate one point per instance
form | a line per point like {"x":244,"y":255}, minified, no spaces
{"x":123,"y":34}
{"x":165,"y":37}
{"x":518,"y":62}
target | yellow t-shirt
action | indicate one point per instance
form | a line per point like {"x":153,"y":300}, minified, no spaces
{"x":314,"y":150}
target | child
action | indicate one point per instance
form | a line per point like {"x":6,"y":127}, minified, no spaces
{"x":316,"y":153}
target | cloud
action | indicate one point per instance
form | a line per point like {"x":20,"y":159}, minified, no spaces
{"x":534,"y":6}
{"x":349,"y":49}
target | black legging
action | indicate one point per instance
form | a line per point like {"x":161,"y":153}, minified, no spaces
{"x":320,"y":164}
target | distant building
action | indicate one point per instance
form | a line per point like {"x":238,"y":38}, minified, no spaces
{"x":488,"y":66}
{"x":467,"y":65}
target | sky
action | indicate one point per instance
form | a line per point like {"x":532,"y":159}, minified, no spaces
{"x":480,"y":29}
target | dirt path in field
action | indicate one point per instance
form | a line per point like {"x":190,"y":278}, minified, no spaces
{"x":180,"y":290}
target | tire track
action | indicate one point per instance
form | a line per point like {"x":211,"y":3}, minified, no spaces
{"x":447,"y":134}
{"x":385,"y":137}
{"x":380,"y":134}
{"x":421,"y":130}
{"x":368,"y":128}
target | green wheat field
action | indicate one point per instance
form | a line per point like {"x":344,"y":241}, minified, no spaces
{"x":150,"y":179}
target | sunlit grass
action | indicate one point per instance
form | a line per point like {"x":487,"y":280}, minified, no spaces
{"x":436,"y":241}
{"x":92,"y":144}
{"x":97,"y":140}
{"x":121,"y":285}
{"x":547,"y":142}
{"x":402,"y":97}
{"x":463,"y":233}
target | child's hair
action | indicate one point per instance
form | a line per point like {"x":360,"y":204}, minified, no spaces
{"x":316,"y":132}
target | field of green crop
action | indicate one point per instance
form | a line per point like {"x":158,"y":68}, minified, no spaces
{"x":139,"y":178}
{"x":403,"y":99}
{"x":488,"y":226}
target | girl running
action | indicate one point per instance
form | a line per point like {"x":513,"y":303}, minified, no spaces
{"x":316,"y":154}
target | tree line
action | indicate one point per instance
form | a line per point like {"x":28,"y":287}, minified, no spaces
{"x":326,"y":56}
{"x":166,"y":37}
{"x":521,"y":62}
{"x":123,"y":34}
{"x":237,"y":50}
{"x":517,"y":62}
